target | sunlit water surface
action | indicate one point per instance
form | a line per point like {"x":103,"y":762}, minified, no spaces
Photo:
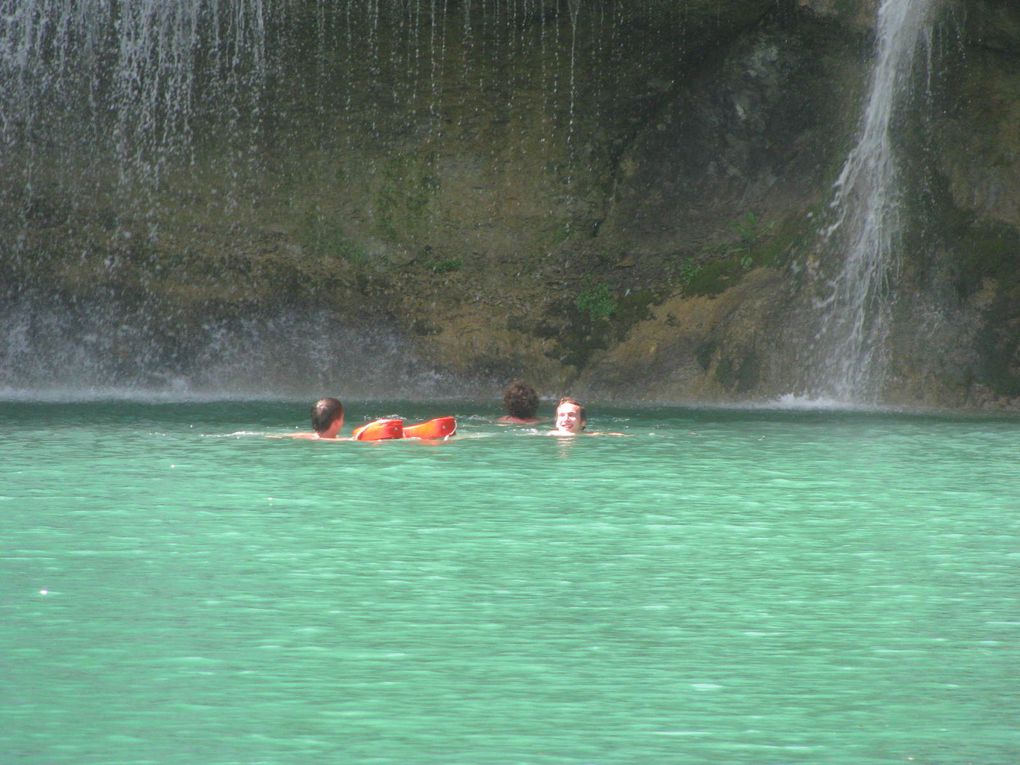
{"x":716,"y":587}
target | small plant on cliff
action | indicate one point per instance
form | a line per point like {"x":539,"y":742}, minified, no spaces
{"x":597,"y":301}
{"x":688,"y":271}
{"x":445,"y":266}
{"x":750,"y":233}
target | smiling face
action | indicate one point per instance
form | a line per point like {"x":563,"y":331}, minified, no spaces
{"x":570,"y":417}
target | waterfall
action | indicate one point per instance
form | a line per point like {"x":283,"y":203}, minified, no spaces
{"x":152,"y":152}
{"x":866,"y":228}
{"x":124,"y":81}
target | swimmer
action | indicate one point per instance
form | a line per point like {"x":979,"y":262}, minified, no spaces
{"x":521,"y":403}
{"x":570,"y":418}
{"x":327,"y":420}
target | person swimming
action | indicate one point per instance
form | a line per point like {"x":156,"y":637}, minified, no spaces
{"x":327,"y":420}
{"x":521,"y":403}
{"x":571,"y":419}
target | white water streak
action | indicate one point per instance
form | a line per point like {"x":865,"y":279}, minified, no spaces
{"x":867,"y":224}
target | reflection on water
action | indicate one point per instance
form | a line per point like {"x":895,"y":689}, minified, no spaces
{"x":739,"y":587}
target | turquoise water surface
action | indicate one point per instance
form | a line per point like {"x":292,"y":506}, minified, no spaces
{"x":720,"y":586}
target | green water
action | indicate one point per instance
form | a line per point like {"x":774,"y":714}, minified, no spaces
{"x":719,"y":587}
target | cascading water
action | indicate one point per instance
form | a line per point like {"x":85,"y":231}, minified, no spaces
{"x":152,"y":150}
{"x":122,"y":81}
{"x":856,"y":311}
{"x":194,"y":190}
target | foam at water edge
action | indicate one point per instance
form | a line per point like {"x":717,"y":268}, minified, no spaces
{"x":794,"y":402}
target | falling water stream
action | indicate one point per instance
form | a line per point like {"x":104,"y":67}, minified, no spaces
{"x":867,"y":225}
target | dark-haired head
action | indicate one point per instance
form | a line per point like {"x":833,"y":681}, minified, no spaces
{"x":520,"y":400}
{"x":325,"y":412}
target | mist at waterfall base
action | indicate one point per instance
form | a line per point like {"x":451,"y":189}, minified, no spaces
{"x":99,"y":351}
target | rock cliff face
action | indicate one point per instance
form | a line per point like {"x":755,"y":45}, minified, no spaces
{"x":622,"y":200}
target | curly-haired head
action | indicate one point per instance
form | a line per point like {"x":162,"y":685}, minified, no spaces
{"x":520,"y":400}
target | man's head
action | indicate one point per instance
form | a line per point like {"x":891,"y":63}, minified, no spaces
{"x":570,"y":416}
{"x":327,"y":417}
{"x":520,"y":400}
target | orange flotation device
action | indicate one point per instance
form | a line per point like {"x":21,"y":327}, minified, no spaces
{"x":436,"y":428}
{"x":380,"y":430}
{"x":393,"y":427}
